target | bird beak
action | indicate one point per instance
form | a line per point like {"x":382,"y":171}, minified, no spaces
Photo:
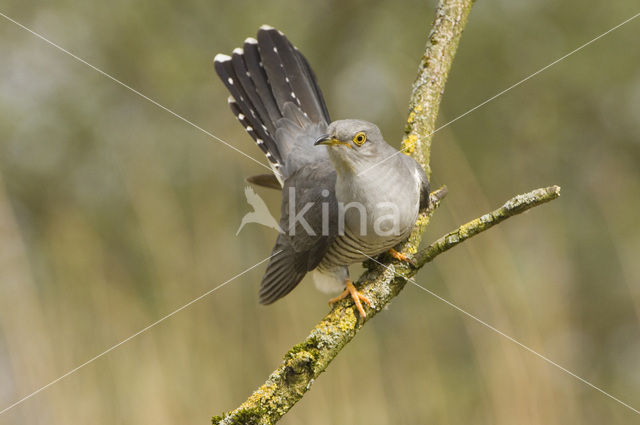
{"x":324,"y":140}
{"x":330,"y":141}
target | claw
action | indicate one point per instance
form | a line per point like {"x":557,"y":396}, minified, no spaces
{"x":356,"y":296}
{"x":401,"y":257}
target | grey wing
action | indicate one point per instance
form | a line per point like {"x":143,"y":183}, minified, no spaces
{"x":416,"y":168}
{"x":286,"y":269}
{"x":308,"y":194}
{"x":424,"y":188}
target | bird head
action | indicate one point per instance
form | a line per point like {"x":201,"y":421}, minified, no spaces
{"x":353,"y":144}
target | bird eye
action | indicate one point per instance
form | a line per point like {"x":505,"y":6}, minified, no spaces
{"x":360,"y":138}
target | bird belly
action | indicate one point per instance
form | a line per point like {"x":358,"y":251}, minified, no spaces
{"x":353,"y":246}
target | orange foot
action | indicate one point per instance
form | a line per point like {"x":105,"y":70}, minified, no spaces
{"x":355,"y":296}
{"x":400,"y":256}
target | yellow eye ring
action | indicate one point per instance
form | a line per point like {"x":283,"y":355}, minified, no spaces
{"x":360,"y":138}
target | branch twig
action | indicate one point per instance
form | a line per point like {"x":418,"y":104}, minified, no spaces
{"x":514,"y":206}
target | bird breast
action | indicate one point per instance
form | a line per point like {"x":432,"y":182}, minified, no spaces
{"x":380,"y":206}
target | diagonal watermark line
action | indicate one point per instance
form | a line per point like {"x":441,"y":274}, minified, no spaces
{"x":91,"y":360}
{"x":498,"y":331}
{"x":175,"y":114}
{"x":544,"y":68}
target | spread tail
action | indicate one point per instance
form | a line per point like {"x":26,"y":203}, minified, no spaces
{"x":269,"y":79}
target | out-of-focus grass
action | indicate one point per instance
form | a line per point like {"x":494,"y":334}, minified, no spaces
{"x":113,"y":214}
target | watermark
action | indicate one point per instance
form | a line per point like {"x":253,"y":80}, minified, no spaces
{"x":260,"y":213}
{"x":325,"y":217}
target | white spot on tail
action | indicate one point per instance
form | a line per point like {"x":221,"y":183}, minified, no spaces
{"x":221,"y":58}
{"x":241,"y":116}
{"x":238,"y":51}
{"x":230,"y":80}
{"x":251,"y":40}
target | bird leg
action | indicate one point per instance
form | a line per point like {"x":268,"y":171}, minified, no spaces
{"x":356,"y":296}
{"x":400,"y":256}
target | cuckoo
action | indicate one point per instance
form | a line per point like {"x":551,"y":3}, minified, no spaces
{"x":346,"y":195}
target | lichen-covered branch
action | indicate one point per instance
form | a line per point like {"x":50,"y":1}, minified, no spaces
{"x":305,"y":361}
{"x":426,"y":93}
{"x":513,"y":206}
{"x":381,"y":283}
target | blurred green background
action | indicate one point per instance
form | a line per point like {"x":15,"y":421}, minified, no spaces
{"x":114,"y":213}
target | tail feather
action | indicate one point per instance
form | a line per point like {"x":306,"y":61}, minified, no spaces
{"x":266,"y":79}
{"x":249,"y":88}
{"x":244,"y":110}
{"x":316,"y":88}
{"x":273,"y":65}
{"x":259,"y":77}
{"x":303,"y":87}
{"x":262,"y":138}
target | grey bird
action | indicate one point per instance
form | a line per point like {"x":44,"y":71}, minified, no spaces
{"x":346,"y":195}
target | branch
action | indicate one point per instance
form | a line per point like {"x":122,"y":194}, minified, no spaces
{"x":513,"y":206}
{"x":382,"y":282}
{"x":442,"y":43}
{"x":305,"y":361}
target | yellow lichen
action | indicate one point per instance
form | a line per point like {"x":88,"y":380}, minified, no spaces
{"x":347,"y":321}
{"x":409,"y":144}
{"x":255,"y":399}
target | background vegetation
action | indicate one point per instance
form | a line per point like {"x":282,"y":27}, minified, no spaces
{"x":113,"y":213}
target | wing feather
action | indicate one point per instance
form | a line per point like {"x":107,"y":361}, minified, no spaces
{"x":301,"y":252}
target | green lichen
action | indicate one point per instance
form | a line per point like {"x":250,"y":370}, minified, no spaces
{"x":298,"y":370}
{"x":241,"y":416}
{"x":309,"y":345}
